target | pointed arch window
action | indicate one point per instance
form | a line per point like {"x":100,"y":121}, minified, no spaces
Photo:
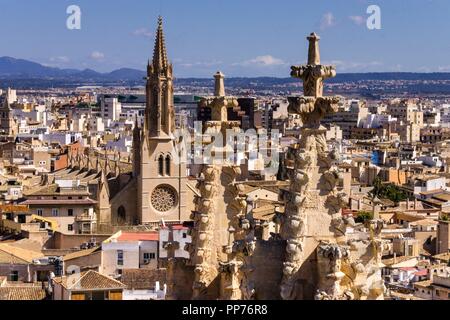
{"x":161,"y":165}
{"x":168,"y":165}
{"x":121,"y":215}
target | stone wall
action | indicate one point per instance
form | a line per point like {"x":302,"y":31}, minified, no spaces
{"x":267,"y":261}
{"x":127,"y":199}
{"x":180,"y":279}
{"x":89,"y":262}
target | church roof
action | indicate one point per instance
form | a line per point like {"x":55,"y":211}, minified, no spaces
{"x":55,"y":190}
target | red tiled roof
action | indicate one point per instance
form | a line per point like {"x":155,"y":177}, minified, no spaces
{"x":60,"y":202}
{"x":407,"y":269}
{"x":89,"y":280}
{"x":141,"y":236}
{"x":179,"y":227}
{"x":422,"y":272}
{"x":22,"y":293}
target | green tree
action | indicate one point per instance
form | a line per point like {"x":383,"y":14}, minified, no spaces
{"x":363,"y":216}
{"x":388,"y":191}
{"x":377,"y":189}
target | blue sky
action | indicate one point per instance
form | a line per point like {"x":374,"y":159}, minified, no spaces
{"x":239,"y":37}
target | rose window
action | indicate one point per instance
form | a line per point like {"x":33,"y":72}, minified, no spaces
{"x":163,"y":198}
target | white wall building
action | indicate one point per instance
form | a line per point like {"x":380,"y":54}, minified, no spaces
{"x":180,"y":238}
{"x":127,"y":250}
{"x":429,"y":184}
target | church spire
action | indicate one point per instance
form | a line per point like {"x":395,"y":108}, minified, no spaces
{"x":159,"y":113}
{"x":160,"y":61}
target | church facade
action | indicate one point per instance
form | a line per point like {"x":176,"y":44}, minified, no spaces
{"x":155,"y":187}
{"x":162,"y":175}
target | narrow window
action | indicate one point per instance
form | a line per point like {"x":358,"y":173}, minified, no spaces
{"x":121,"y":215}
{"x":120,"y":257}
{"x":168,"y":165}
{"x":161,"y":165}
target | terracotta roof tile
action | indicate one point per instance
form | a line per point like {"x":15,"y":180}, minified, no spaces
{"x":61,"y":201}
{"x":15,"y":255}
{"x":143,"y":279}
{"x":79,"y":254}
{"x":89,"y":280}
{"x":22,"y":293}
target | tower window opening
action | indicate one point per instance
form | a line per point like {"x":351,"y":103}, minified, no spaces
{"x":161,"y":165}
{"x":168,"y":165}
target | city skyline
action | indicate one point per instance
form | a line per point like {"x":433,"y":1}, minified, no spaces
{"x":246,"y":39}
{"x":227,"y":186}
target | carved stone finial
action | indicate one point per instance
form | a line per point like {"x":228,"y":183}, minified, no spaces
{"x":313,"y":52}
{"x":219,"y":103}
{"x":219,"y":90}
{"x":313,"y":74}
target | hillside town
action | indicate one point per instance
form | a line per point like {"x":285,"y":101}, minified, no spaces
{"x":162,"y":193}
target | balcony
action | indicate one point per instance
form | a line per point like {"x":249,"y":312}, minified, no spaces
{"x":87,"y":222}
{"x":86,"y":217}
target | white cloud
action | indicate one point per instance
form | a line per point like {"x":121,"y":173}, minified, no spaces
{"x":426,"y":69}
{"x":327,"y":21}
{"x":199,"y":64}
{"x":262,"y":61}
{"x":358,"y":20}
{"x":60,"y":59}
{"x":353,"y":65}
{"x":144,"y":32}
{"x":97,"y":55}
{"x":443,"y":69}
{"x":397,"y":68}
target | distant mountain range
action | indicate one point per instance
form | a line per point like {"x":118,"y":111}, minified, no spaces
{"x":11,"y":68}
{"x":18,"y":70}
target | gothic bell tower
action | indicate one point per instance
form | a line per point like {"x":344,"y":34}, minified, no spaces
{"x":159,"y":114}
{"x":162,"y":177}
